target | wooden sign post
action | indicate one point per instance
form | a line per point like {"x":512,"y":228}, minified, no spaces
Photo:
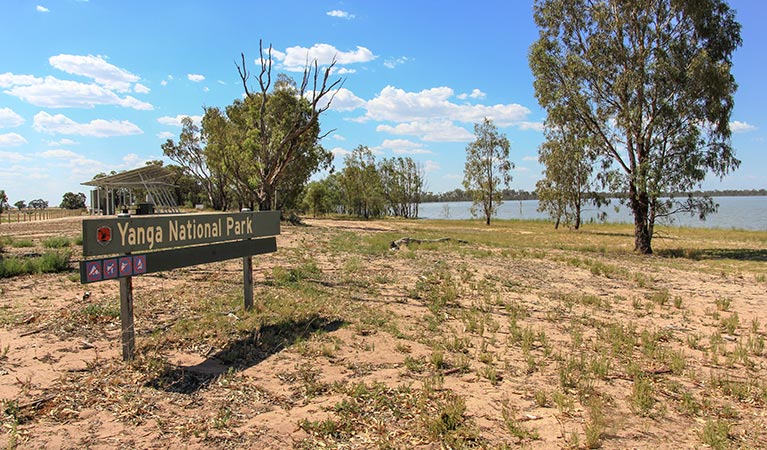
{"x":131,"y":246}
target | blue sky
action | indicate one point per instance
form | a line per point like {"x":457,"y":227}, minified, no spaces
{"x":90,"y":86}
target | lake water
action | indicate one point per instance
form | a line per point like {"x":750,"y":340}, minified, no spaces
{"x":748,"y":213}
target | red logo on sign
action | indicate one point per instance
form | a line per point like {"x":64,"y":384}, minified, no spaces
{"x":104,"y":235}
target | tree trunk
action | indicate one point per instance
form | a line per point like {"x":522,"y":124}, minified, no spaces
{"x":578,"y":213}
{"x":640,"y":206}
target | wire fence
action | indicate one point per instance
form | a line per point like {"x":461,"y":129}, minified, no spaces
{"x":33,"y":215}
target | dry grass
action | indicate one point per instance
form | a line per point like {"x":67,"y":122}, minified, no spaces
{"x":524,"y":336}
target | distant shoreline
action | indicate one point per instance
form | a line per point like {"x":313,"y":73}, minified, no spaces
{"x":459,"y":195}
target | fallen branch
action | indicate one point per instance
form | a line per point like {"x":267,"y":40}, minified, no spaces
{"x":35,"y":331}
{"x":396,"y":245}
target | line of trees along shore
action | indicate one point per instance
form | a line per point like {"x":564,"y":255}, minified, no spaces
{"x":638,"y":99}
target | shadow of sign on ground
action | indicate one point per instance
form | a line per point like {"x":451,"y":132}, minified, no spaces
{"x":241,"y":354}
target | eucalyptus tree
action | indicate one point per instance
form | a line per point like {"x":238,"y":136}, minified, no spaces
{"x":567,"y":176}
{"x":360,"y":184}
{"x":4,"y":201}
{"x":190,"y":153}
{"x":277,"y":130}
{"x":402,"y":181}
{"x":651,"y":81}
{"x":487,"y":169}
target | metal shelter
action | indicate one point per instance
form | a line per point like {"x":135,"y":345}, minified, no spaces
{"x":153,"y":179}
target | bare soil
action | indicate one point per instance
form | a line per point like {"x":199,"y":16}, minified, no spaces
{"x":352,"y":345}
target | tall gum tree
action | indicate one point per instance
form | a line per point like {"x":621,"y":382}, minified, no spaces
{"x":282,"y":125}
{"x":651,"y":82}
{"x":487,"y":169}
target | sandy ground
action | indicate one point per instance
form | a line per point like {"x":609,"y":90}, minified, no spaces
{"x":63,"y":384}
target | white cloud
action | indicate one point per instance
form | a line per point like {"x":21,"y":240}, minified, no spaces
{"x":340,"y":14}
{"x":536,"y":126}
{"x":42,"y":9}
{"x":530,"y":158}
{"x":97,"y":68}
{"x":59,"y":153}
{"x":62,"y":142}
{"x":132,"y":160}
{"x":195,"y":77}
{"x":166,"y":135}
{"x":13,"y":157}
{"x":12,"y":140}
{"x":394,"y":62}
{"x":475,"y":93}
{"x":176,"y":121}
{"x":9,"y":118}
{"x":338,"y":137}
{"x":52,"y":92}
{"x":294,"y":58}
{"x":222,"y":83}
{"x":430,"y":166}
{"x":345,"y":100}
{"x":404,"y":147}
{"x":206,"y":89}
{"x":61,"y":124}
{"x":140,"y":89}
{"x":163,"y":83}
{"x":433,"y":131}
{"x":741,"y":127}
{"x":344,"y":71}
{"x":9,"y":79}
{"x":338,"y":151}
{"x":431,"y":115}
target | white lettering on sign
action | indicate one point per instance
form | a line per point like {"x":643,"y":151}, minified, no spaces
{"x":140,"y":235}
{"x":238,"y":227}
{"x":191,"y":230}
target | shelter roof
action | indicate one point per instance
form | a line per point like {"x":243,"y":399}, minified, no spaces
{"x":151,"y":175}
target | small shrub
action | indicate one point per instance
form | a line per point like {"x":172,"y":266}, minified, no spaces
{"x":57,"y":242}
{"x":595,"y":425}
{"x":642,"y":400}
{"x":25,"y":243}
{"x":716,"y":434}
{"x":723,"y":304}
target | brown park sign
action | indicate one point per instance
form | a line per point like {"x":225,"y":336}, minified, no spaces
{"x":108,"y":236}
{"x":132,"y":245}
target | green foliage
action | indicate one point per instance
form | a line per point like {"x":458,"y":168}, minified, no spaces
{"x":49,"y":262}
{"x":268,"y":142}
{"x":38,"y":204}
{"x":57,"y":242}
{"x":22,"y":243}
{"x":361,"y":186}
{"x":402,"y":182}
{"x":716,"y":434}
{"x":650,"y":88}
{"x":70,"y":200}
{"x":190,"y":154}
{"x":564,"y":189}
{"x":487,"y":169}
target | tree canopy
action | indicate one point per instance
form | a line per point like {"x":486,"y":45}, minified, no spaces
{"x":70,"y":200}
{"x":487,"y":169}
{"x":3,"y":201}
{"x":650,"y":82}
{"x":260,"y":150}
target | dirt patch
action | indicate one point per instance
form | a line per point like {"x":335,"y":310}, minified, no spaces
{"x":500,"y":337}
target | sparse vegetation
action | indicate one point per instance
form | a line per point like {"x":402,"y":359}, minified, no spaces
{"x":353,"y":341}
